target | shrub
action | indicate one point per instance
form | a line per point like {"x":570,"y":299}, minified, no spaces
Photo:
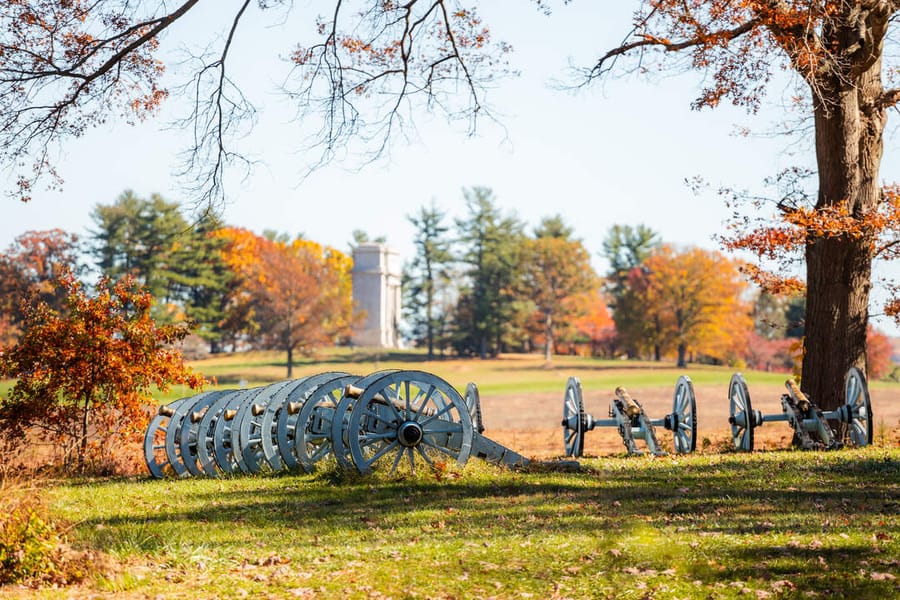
{"x":33,"y":547}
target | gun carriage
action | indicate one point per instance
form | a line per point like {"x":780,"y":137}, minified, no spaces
{"x":628,"y":417}
{"x":811,"y":425}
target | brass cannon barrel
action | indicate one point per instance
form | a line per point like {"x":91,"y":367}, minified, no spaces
{"x":799,"y":397}
{"x":631,"y":407}
{"x":352,"y":391}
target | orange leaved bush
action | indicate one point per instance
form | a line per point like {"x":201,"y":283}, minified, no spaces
{"x":84,"y":375}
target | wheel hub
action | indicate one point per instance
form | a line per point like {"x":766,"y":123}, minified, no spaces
{"x":410,"y":434}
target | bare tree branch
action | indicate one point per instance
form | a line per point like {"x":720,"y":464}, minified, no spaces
{"x":607,"y":61}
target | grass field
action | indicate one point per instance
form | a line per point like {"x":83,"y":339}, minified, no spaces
{"x":772,"y":524}
{"x":767,"y":525}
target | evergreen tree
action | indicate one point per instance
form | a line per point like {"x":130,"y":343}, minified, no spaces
{"x":626,"y":247}
{"x":427,"y":275}
{"x":179,"y":263}
{"x":492,"y":246}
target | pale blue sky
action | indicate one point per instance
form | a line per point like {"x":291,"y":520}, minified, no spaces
{"x":618,"y":153}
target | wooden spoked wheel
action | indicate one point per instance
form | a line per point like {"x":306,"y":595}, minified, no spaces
{"x":409,"y":417}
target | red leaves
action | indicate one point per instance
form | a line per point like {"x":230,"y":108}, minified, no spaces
{"x":85,"y":374}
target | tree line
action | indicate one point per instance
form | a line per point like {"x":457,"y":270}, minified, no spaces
{"x":482,"y":285}
{"x":232,"y":286}
{"x":478,"y":285}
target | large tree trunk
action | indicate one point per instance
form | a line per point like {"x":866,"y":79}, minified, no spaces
{"x":838,"y":269}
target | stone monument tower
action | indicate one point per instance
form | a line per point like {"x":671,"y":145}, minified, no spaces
{"x":376,"y":290}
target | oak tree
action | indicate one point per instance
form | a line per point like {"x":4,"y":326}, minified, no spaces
{"x":68,"y":66}
{"x":692,"y":302}
{"x":84,"y":375}
{"x":837,"y":51}
{"x":289,"y":295}
{"x":594,"y":323}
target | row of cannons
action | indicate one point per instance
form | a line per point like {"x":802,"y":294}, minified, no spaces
{"x":395,"y":420}
{"x":812,"y":427}
{"x":392,"y":419}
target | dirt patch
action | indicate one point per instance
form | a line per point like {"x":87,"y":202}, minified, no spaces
{"x":531,"y":423}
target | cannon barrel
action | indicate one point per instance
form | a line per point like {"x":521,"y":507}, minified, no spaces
{"x":799,"y":397}
{"x":631,"y":407}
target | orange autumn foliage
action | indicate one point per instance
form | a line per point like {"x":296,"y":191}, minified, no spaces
{"x":880,"y":229}
{"x":84,"y":375}
{"x":289,"y":295}
{"x":693,"y":303}
{"x":594,"y":322}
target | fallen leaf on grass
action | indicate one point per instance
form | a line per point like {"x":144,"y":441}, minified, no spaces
{"x":783,"y":584}
{"x":272,"y":560}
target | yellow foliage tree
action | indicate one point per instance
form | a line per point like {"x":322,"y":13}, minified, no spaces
{"x":695,"y":300}
{"x":292,"y":295}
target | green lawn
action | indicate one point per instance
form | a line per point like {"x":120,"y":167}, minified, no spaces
{"x":509,"y":374}
{"x":766,"y":525}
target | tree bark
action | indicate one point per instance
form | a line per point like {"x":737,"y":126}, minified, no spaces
{"x":682,"y":355}
{"x":548,"y":337}
{"x":849,"y":126}
{"x":290,"y":362}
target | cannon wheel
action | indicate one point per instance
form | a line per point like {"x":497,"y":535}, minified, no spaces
{"x":251,"y":432}
{"x":155,"y":455}
{"x":173,"y":433}
{"x":739,"y":403}
{"x":859,"y":430}
{"x":340,"y":445}
{"x":189,"y":438}
{"x":269,"y":423}
{"x":206,"y":430}
{"x":225,"y":435}
{"x":473,"y":403}
{"x":573,"y":418}
{"x":286,"y":424}
{"x":312,"y":439}
{"x":410,"y":415}
{"x":684,"y":407}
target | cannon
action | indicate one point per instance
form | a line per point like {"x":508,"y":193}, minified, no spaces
{"x":396,"y":418}
{"x":415,"y":417}
{"x":811,"y":426}
{"x":628,"y":416}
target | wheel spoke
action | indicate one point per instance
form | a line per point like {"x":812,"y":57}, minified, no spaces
{"x":397,"y":460}
{"x":437,"y":415}
{"x":425,"y":400}
{"x":382,"y":452}
{"x":446,"y":451}
{"x":412,"y":460}
{"x":408,"y":405}
{"x":424,"y":455}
